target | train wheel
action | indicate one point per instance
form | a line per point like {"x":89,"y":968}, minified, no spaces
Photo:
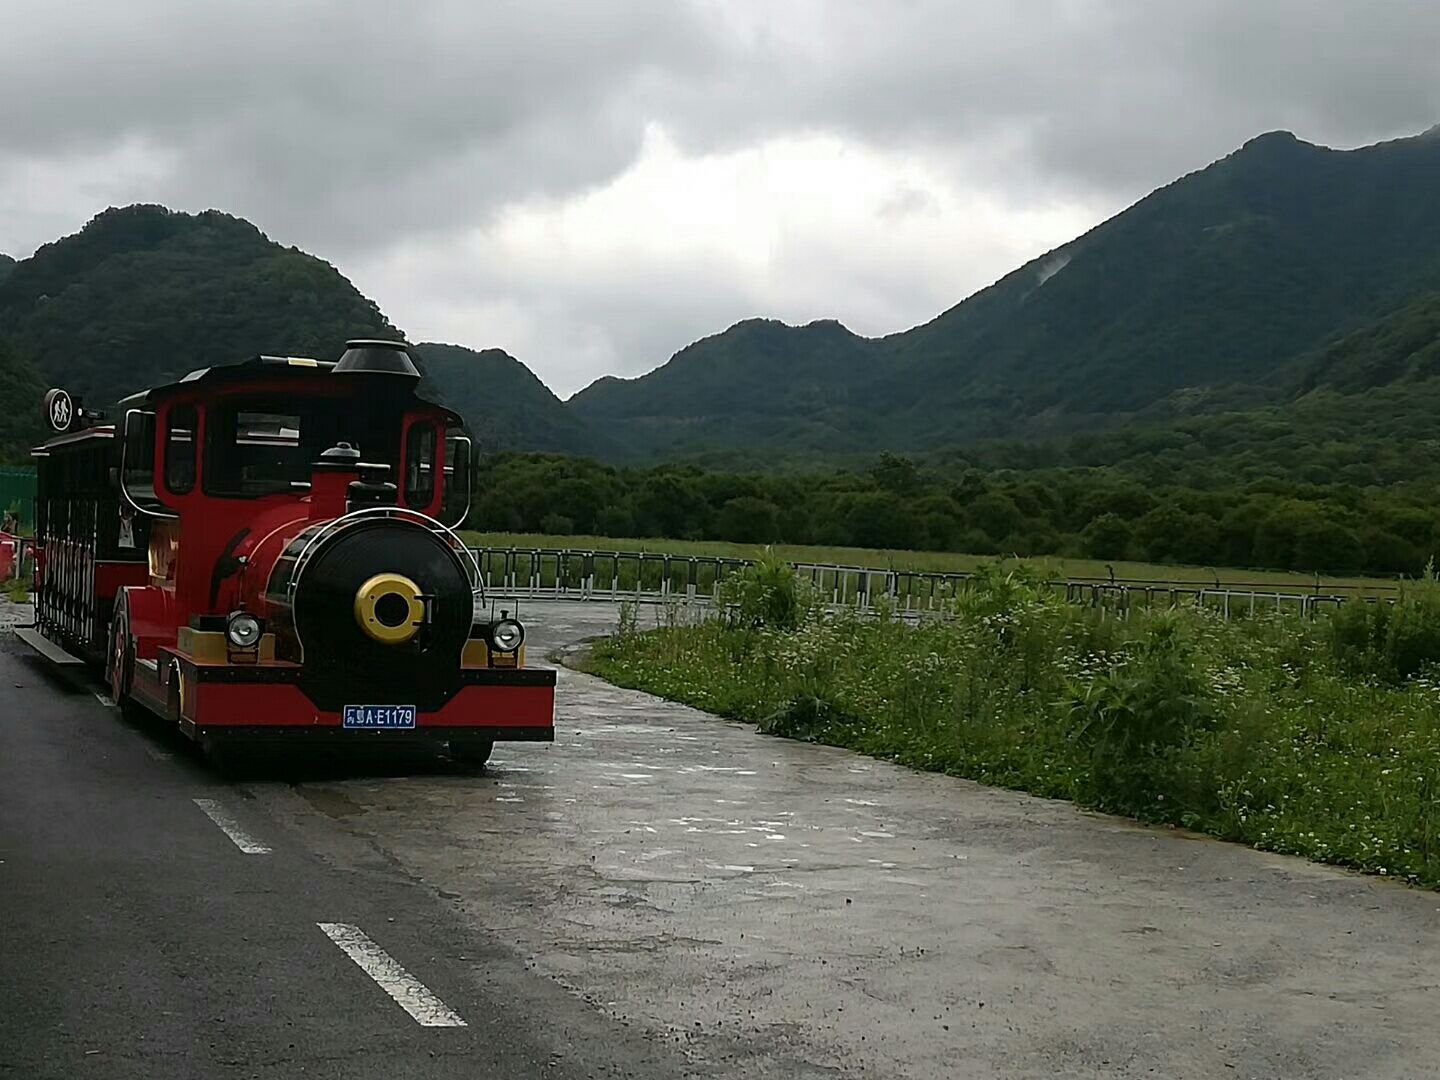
{"x":120,"y":665}
{"x":472,"y":752}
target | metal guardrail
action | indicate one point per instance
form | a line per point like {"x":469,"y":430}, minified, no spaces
{"x":659,"y":578}
{"x":1122,"y":598}
{"x":562,"y":573}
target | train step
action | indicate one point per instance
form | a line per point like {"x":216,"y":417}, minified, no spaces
{"x":47,"y":648}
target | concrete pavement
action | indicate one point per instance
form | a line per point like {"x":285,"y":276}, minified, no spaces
{"x":661,"y":893}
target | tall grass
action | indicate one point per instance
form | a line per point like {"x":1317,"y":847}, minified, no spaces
{"x":1313,"y":737}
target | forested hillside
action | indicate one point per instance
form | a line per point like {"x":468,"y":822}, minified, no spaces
{"x":6,"y":265}
{"x":144,"y":294}
{"x":1207,"y":294}
{"x":22,"y":392}
{"x":759,"y":384}
{"x":1402,"y":346}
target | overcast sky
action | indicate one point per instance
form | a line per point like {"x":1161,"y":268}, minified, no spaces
{"x":593,"y":185}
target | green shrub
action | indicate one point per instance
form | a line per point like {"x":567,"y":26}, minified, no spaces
{"x":1134,"y":718}
{"x":769,"y":594}
{"x":1389,"y":641}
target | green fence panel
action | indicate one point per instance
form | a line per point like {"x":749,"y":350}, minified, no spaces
{"x":17,"y":494}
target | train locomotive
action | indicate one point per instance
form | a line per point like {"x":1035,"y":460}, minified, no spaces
{"x":265,"y":551}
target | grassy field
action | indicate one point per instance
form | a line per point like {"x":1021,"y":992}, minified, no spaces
{"x":1052,"y":567}
{"x":1316,"y":737}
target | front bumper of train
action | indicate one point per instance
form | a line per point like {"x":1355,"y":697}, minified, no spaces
{"x":267,"y":700}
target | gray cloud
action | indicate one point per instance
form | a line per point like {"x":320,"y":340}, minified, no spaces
{"x":399,"y":140}
{"x":344,"y":124}
{"x":1108,"y":93}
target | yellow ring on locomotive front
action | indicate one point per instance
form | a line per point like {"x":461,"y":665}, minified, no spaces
{"x":379,"y":588}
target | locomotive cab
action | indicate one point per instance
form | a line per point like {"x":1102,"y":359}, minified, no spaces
{"x":285,"y":562}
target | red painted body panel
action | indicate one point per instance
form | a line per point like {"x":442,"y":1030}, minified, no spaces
{"x":154,"y":617}
{"x":111,"y":577}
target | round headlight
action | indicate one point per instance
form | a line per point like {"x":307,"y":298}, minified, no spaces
{"x":243,"y":630}
{"x":507,"y":635}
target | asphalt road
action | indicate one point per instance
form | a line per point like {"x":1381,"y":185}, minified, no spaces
{"x":659,"y":893}
{"x":138,"y":939}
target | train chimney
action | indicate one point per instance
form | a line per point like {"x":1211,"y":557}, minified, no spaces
{"x":330,"y":480}
{"x":365,"y":356}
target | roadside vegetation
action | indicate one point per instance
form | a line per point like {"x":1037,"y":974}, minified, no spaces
{"x":1316,"y":737}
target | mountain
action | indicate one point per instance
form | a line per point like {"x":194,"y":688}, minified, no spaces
{"x":6,"y":265}
{"x":1205,"y":294}
{"x":739,"y":387}
{"x":505,"y":406}
{"x":144,"y":294}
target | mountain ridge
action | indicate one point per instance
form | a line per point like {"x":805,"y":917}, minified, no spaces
{"x":1217,"y":279}
{"x":505,"y":404}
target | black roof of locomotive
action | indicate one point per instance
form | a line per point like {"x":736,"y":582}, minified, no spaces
{"x":221,"y":375}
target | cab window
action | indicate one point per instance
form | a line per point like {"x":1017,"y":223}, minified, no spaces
{"x":456,"y":490}
{"x":138,"y":476}
{"x":420,"y":465}
{"x":254,"y":448}
{"x":180,"y":449}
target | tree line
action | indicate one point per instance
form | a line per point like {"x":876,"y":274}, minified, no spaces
{"x":900,"y":503}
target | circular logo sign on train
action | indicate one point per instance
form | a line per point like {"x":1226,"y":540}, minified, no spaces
{"x":59,"y":409}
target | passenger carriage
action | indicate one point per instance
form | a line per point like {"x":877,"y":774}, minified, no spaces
{"x":266,"y":551}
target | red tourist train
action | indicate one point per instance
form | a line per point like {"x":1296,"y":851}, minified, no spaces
{"x":267,"y":549}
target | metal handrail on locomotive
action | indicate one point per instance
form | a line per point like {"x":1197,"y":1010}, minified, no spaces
{"x":267,"y":550}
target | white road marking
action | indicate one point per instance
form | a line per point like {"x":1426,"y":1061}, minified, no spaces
{"x":408,"y":992}
{"x":231,"y":828}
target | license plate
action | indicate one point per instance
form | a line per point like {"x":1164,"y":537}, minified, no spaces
{"x":378,"y":716}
